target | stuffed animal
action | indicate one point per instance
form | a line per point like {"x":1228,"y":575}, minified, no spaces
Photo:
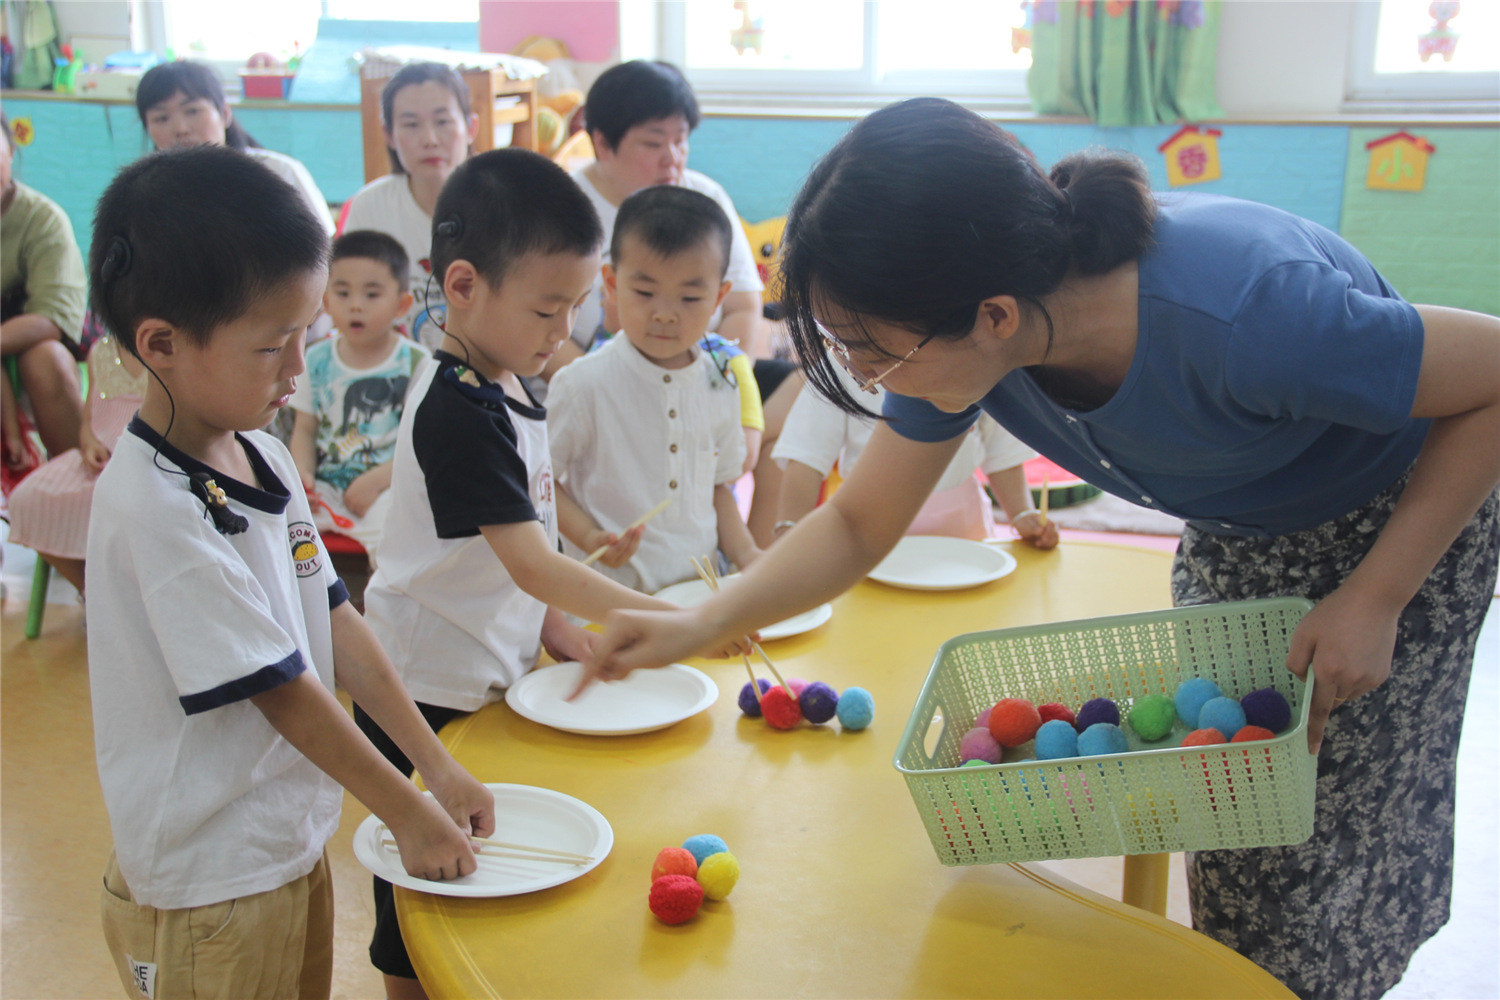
{"x":765,"y":243}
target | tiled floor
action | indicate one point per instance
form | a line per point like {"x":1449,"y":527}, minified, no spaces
{"x":54,"y":833}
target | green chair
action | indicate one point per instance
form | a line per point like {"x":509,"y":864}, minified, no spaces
{"x":42,"y":575}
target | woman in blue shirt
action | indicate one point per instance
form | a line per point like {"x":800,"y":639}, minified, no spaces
{"x":1223,"y":361}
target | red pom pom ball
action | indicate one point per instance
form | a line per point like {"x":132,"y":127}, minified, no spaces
{"x":1013,"y":721}
{"x":1250,"y":734}
{"x":675,"y":898}
{"x":1056,"y":710}
{"x":1203,"y":738}
{"x":780,"y":708}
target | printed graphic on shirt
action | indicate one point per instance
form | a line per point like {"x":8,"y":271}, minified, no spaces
{"x":307,"y":548}
{"x":542,"y":498}
{"x":358,"y":412}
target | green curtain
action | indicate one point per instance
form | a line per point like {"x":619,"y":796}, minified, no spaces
{"x":1124,"y":62}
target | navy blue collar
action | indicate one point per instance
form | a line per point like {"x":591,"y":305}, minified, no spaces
{"x":473,"y":386}
{"x":272,"y":499}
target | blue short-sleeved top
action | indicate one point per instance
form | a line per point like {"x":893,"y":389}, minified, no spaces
{"x":1272,"y":384}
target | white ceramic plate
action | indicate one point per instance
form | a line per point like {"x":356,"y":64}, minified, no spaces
{"x":691,"y":593}
{"x":524,"y":814}
{"x":644,"y":701}
{"x":935,"y":562}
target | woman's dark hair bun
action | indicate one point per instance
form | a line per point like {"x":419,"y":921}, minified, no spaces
{"x":1112,"y":209}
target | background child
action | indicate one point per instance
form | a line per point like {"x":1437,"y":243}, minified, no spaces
{"x":49,"y":510}
{"x":217,"y":626}
{"x":818,"y":433}
{"x":470,"y":581}
{"x":349,"y":405}
{"x":428,"y":124}
{"x":650,"y":416}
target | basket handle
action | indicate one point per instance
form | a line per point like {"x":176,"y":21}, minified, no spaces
{"x":922,"y":732}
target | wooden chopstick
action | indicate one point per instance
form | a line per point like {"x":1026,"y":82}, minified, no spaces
{"x":572,"y":855}
{"x":711,"y":578}
{"x":486,"y":851}
{"x":593,"y":556}
{"x":708,"y":576}
{"x":1046,"y":499}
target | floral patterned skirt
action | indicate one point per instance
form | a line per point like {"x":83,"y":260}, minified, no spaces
{"x":1341,"y":915}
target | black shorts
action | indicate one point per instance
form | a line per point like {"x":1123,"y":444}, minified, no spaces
{"x":769,"y":374}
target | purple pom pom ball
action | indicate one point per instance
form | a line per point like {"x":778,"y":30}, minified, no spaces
{"x":819,"y":702}
{"x":749,"y":704}
{"x":1268,"y":709}
{"x":1095,"y":711}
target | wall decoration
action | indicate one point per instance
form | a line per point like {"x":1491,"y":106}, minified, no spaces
{"x":1398,"y":162}
{"x":1439,"y":40}
{"x":22,"y":131}
{"x":1192,"y":155}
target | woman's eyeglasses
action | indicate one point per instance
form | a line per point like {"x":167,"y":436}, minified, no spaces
{"x":841,"y":354}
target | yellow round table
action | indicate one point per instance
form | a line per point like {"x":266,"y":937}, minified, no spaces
{"x":841,"y":893}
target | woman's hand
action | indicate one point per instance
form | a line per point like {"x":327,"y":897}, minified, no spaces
{"x":1035,"y":530}
{"x":1349,"y":640}
{"x":618,"y":549}
{"x":633,"y":640}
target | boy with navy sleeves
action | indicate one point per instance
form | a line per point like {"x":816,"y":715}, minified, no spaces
{"x":217,"y":626}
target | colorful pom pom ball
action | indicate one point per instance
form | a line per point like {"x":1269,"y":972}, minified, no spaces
{"x":1101,"y":738}
{"x":675,"y":898}
{"x":1152,"y":716}
{"x":797,"y":684}
{"x":976,"y":762}
{"x":1095,"y":711}
{"x":1192,"y":695}
{"x":983,"y":722}
{"x":674,"y":861}
{"x":1252,"y":734}
{"x":1268,"y":709}
{"x":1203,"y":738}
{"x":1056,"y":710}
{"x":749,"y":704}
{"x":856,"y":709}
{"x":1013,"y":721}
{"x":979,"y":744}
{"x":818,"y":701}
{"x":1056,"y":739}
{"x":1223,"y":714}
{"x":704,"y":845}
{"x":780,"y":709}
{"x":718,"y":875}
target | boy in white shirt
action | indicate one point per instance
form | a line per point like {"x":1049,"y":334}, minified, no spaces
{"x":349,"y":404}
{"x":217,"y":627}
{"x":651,"y":415}
{"x":471,"y":585}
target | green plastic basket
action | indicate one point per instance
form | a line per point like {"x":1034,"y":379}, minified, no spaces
{"x":1158,"y":798}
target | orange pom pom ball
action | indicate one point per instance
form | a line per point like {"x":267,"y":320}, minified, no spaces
{"x":1203,"y":738}
{"x":1250,"y":734}
{"x":781,"y":709}
{"x":674,"y":861}
{"x":1013,"y":721}
{"x":675,"y":898}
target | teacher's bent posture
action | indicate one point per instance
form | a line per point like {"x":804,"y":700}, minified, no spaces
{"x":1223,"y":361}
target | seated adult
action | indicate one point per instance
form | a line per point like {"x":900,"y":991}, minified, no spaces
{"x":42,"y":299}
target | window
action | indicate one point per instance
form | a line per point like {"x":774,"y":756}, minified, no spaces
{"x":1415,"y":50}
{"x":848,"y":48}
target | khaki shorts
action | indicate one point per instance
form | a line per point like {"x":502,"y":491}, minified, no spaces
{"x":272,"y":944}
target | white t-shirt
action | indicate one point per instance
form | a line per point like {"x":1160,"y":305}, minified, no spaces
{"x":817,"y":434}
{"x":453,"y":621}
{"x":206,"y":801}
{"x":742,"y":273}
{"x":386,"y":205}
{"x":627,"y":434}
{"x":295,"y":174}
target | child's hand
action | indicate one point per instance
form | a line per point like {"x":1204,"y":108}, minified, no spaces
{"x":467,"y":802}
{"x":432,"y":845}
{"x":309,"y":482}
{"x":361,"y":494}
{"x":95,"y":454}
{"x":619,"y":549}
{"x":564,"y":641}
{"x":1036,"y":532}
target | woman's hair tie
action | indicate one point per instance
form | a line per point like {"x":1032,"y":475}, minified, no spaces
{"x":117,"y":259}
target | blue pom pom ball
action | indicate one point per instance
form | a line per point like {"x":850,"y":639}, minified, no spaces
{"x":1056,"y":739}
{"x":819,"y":702}
{"x":749,"y":704}
{"x":856,"y":709}
{"x":704,"y":845}
{"x":1223,"y":714}
{"x":1191,"y":696}
{"x":1101,"y":738}
{"x":1095,"y":711}
{"x":1268,"y":709}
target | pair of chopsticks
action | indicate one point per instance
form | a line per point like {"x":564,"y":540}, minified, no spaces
{"x":593,"y":556}
{"x":707,"y":573}
{"x":501,"y":849}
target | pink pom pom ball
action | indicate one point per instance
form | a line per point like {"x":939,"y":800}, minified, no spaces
{"x":979,"y":744}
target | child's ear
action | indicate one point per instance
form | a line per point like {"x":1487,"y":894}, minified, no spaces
{"x":611,"y":281}
{"x":725,"y":287}
{"x":460,"y":284}
{"x":403,"y":304}
{"x":156,"y":341}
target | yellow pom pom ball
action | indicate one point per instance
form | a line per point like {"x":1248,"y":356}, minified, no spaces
{"x":718,"y":875}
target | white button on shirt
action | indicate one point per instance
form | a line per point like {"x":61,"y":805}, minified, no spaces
{"x":626,"y":435}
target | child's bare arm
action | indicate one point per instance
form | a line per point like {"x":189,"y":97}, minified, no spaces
{"x":753,"y":438}
{"x":578,"y":527}
{"x":1010,"y":488}
{"x":310,"y":718}
{"x":554,"y":579}
{"x":361,"y":666}
{"x":734,"y":537}
{"x":304,"y":447}
{"x":361,"y":494}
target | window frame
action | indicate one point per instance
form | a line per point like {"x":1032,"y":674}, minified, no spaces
{"x":1366,"y":86}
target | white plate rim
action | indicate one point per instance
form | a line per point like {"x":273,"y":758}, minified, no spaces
{"x":368,"y":852}
{"x":515,"y":693}
{"x":798,"y":624}
{"x":1007,"y":565}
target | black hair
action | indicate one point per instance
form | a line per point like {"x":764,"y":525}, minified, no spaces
{"x":924,"y":210}
{"x":670,"y":219}
{"x":194,"y":237}
{"x":638,"y":91}
{"x":411,"y":76}
{"x":10,"y":139}
{"x":499,"y":206}
{"x":371,"y":244}
{"x":199,"y":82}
